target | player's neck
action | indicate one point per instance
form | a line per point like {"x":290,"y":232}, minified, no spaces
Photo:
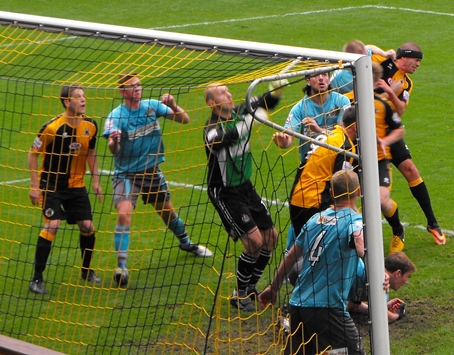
{"x":132,"y":104}
{"x":319,"y":97}
{"x":72,"y":119}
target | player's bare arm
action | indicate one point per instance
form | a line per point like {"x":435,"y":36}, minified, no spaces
{"x":114,"y":141}
{"x":92,"y":162}
{"x":35,"y":193}
{"x":178,"y":114}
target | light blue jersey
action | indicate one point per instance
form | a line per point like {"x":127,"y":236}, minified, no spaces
{"x":327,"y":116}
{"x":141,"y":145}
{"x":330,"y":260}
{"x":342,"y":79}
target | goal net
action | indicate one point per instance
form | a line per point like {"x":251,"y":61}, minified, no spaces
{"x":175,"y":303}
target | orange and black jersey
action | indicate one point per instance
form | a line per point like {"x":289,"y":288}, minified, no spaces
{"x":391,"y":73}
{"x":311,"y":187}
{"x":64,"y":149}
{"x":386,"y":120}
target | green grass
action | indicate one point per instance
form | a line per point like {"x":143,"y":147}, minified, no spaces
{"x":324,"y":25}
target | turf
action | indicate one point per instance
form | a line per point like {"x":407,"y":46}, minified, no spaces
{"x":328,"y":25}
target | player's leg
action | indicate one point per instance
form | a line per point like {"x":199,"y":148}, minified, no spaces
{"x":125,"y":198}
{"x":155,"y":191}
{"x":52,"y":213}
{"x":262,"y":218}
{"x":389,"y":207}
{"x":403,"y":161}
{"x":78,"y":211}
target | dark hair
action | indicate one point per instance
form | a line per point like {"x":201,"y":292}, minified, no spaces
{"x":349,"y":117}
{"x":66,"y":92}
{"x":125,"y":78}
{"x":307,"y":89}
{"x":399,"y":261}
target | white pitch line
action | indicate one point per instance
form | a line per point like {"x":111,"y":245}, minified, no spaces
{"x":205,"y":23}
{"x":199,"y":187}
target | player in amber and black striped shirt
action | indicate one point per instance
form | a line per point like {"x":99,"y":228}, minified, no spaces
{"x":67,"y":145}
{"x":395,"y":74}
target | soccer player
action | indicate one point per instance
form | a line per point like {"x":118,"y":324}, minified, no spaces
{"x":318,"y":112}
{"x":67,"y":145}
{"x":389,"y":130}
{"x":342,"y":79}
{"x":399,"y":269}
{"x":396,"y":74}
{"x":330,"y":245}
{"x":227,"y":143}
{"x":135,"y":139}
{"x":310,"y":193}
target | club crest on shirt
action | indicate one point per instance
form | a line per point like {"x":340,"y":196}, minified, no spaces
{"x":245,"y":218}
{"x":87,"y":132}
{"x":150,"y":112}
{"x":49,"y":212}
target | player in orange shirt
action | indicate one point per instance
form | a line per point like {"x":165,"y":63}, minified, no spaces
{"x":395,"y":74}
{"x":67,"y":145}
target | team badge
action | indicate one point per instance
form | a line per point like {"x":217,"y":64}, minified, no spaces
{"x":150,"y":112}
{"x":87,"y":132}
{"x":49,"y":212}
{"x":245,"y":218}
{"x":65,"y":135}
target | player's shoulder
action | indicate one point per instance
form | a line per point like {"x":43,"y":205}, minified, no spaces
{"x":90,"y":121}
{"x":53,"y":124}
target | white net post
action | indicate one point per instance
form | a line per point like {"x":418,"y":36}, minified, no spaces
{"x":371,"y":207}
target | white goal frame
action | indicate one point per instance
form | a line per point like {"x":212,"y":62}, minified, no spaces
{"x":366,"y":133}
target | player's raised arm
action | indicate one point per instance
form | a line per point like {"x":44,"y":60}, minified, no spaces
{"x":178,"y":114}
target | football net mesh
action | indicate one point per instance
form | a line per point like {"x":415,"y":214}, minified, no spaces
{"x":175,"y":303}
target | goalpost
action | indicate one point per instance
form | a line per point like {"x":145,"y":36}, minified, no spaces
{"x":174,"y":303}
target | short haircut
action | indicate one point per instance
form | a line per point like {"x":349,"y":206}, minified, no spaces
{"x":349,"y":117}
{"x":208,"y":94}
{"x":355,"y":46}
{"x":124,"y":78}
{"x":344,"y":185}
{"x":66,"y":92}
{"x":399,"y":261}
{"x":377,"y":72}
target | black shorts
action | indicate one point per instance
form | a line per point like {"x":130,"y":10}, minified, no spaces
{"x":333,"y":327}
{"x":399,"y":152}
{"x":240,"y":208}
{"x":151,"y":185}
{"x":70,"y":204}
{"x":384,"y":173}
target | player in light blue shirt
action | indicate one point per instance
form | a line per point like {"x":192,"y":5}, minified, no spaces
{"x":135,"y":140}
{"x":320,"y":109}
{"x":331,"y":244}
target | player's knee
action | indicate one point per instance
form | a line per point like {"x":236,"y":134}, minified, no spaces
{"x":409,"y":170}
{"x":86,"y":228}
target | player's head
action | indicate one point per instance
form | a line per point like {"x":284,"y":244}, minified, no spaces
{"x":317,"y":84}
{"x":72,"y":98}
{"x":377,"y":72}
{"x":349,"y":122}
{"x":344,"y":185}
{"x":130,"y":86}
{"x":355,"y":46}
{"x":218,"y":98}
{"x":399,"y":268}
{"x":408,"y":57}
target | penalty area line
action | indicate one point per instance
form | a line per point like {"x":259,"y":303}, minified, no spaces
{"x":201,"y":188}
{"x":304,"y":13}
